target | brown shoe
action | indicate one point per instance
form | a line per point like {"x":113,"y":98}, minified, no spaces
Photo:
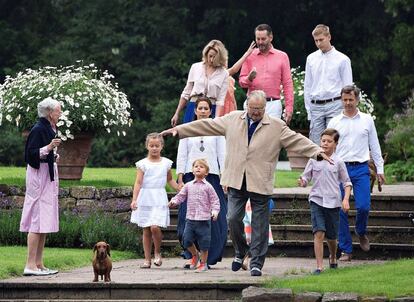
{"x":345,"y":257}
{"x":364,"y":243}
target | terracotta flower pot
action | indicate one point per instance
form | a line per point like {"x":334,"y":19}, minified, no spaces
{"x":298,"y":161}
{"x":74,"y":154}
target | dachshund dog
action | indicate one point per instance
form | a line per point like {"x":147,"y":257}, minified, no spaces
{"x":373,"y":172}
{"x":102,"y":263}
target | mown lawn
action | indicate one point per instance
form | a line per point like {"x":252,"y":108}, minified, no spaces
{"x":13,"y":259}
{"x":115,"y":177}
{"x":392,"y":279}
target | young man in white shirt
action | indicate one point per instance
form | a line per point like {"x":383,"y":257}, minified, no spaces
{"x":327,"y":71}
{"x":357,"y":139}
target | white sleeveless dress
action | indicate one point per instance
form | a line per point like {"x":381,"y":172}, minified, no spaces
{"x":152,"y":201}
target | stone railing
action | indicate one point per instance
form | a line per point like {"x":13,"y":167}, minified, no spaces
{"x":79,"y":199}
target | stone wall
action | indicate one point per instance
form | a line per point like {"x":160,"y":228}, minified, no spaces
{"x":78,"y":199}
{"x":254,"y":294}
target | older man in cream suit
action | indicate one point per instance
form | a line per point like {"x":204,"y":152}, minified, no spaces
{"x":253,"y":143}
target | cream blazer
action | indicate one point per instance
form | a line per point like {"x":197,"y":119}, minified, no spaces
{"x":258,"y":159}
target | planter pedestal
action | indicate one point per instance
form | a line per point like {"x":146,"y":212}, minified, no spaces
{"x":297,"y":161}
{"x":74,"y":154}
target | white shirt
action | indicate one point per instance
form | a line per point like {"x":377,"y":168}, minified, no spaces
{"x":357,"y":137}
{"x":325,"y":75}
{"x":191,"y":148}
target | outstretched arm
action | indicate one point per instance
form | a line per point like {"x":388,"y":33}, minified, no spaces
{"x":171,"y":131}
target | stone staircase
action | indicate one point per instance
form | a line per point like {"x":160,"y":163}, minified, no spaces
{"x":391,"y":232}
{"x":390,"y":228}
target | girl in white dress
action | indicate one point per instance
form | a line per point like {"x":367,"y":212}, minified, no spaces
{"x":149,"y":199}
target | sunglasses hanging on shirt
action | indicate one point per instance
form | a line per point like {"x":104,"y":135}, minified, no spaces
{"x":202,"y":144}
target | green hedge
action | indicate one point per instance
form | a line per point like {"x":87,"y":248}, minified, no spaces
{"x":401,"y":170}
{"x":77,"y":231}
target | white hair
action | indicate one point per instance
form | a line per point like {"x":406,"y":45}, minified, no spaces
{"x":46,"y":106}
{"x":258,"y":95}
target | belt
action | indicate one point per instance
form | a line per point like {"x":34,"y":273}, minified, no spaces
{"x":325,"y":101}
{"x":271,"y":99}
{"x":355,"y":163}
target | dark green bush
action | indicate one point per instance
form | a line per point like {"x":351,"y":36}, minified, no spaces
{"x":401,"y":170}
{"x":77,"y":231}
{"x":399,"y":139}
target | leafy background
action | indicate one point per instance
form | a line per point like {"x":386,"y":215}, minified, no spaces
{"x":149,"y":47}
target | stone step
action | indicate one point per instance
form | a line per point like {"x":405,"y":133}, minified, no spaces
{"x":88,"y":291}
{"x":378,"y":202}
{"x":304,"y":248}
{"x":376,"y":234}
{"x":376,"y":218}
{"x":301,"y":216}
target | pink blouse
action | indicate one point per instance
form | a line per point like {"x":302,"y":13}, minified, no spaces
{"x":213,"y":86}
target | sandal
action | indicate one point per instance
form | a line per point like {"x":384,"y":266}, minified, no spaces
{"x":158,"y":261}
{"x":145,"y":265}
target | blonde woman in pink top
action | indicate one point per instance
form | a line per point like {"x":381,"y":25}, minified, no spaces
{"x":206,"y":78}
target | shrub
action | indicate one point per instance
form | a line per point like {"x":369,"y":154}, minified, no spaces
{"x":399,"y":139}
{"x":401,"y":170}
{"x":76,"y":231}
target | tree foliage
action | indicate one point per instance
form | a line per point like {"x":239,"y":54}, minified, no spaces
{"x":150,"y":45}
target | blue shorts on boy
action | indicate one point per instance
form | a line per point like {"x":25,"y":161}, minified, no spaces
{"x":197,"y":230}
{"x":325,"y":220}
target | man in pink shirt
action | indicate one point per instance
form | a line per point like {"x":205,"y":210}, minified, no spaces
{"x":268,"y":69}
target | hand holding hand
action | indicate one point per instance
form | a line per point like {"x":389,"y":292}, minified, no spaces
{"x":133,"y":205}
{"x":214,"y":216}
{"x":171,"y":204}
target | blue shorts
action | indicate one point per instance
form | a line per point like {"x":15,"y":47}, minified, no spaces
{"x":325,"y":220}
{"x":197,"y":230}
